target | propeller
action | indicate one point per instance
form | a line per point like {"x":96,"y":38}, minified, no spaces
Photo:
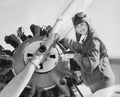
{"x":62,"y":26}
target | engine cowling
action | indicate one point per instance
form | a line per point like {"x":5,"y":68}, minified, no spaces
{"x":49,"y":71}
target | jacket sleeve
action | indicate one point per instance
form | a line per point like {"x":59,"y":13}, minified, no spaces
{"x":67,"y":43}
{"x":72,"y":45}
{"x":92,"y":59}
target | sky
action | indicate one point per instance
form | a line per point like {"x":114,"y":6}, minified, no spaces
{"x":104,"y":15}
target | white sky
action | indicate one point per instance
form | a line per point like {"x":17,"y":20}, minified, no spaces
{"x":104,"y":14}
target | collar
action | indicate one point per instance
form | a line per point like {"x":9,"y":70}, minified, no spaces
{"x":83,"y":38}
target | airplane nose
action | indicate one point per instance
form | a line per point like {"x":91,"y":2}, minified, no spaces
{"x":42,"y":48}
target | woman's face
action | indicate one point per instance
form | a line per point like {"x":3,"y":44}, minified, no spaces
{"x":81,"y":28}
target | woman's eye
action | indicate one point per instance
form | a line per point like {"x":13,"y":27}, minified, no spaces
{"x":82,"y":24}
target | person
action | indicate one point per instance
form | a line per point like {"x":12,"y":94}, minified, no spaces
{"x":90,"y":54}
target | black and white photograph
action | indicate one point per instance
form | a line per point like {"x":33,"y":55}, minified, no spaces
{"x":59,"y":48}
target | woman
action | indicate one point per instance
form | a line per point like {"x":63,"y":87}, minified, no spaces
{"x":90,"y":54}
